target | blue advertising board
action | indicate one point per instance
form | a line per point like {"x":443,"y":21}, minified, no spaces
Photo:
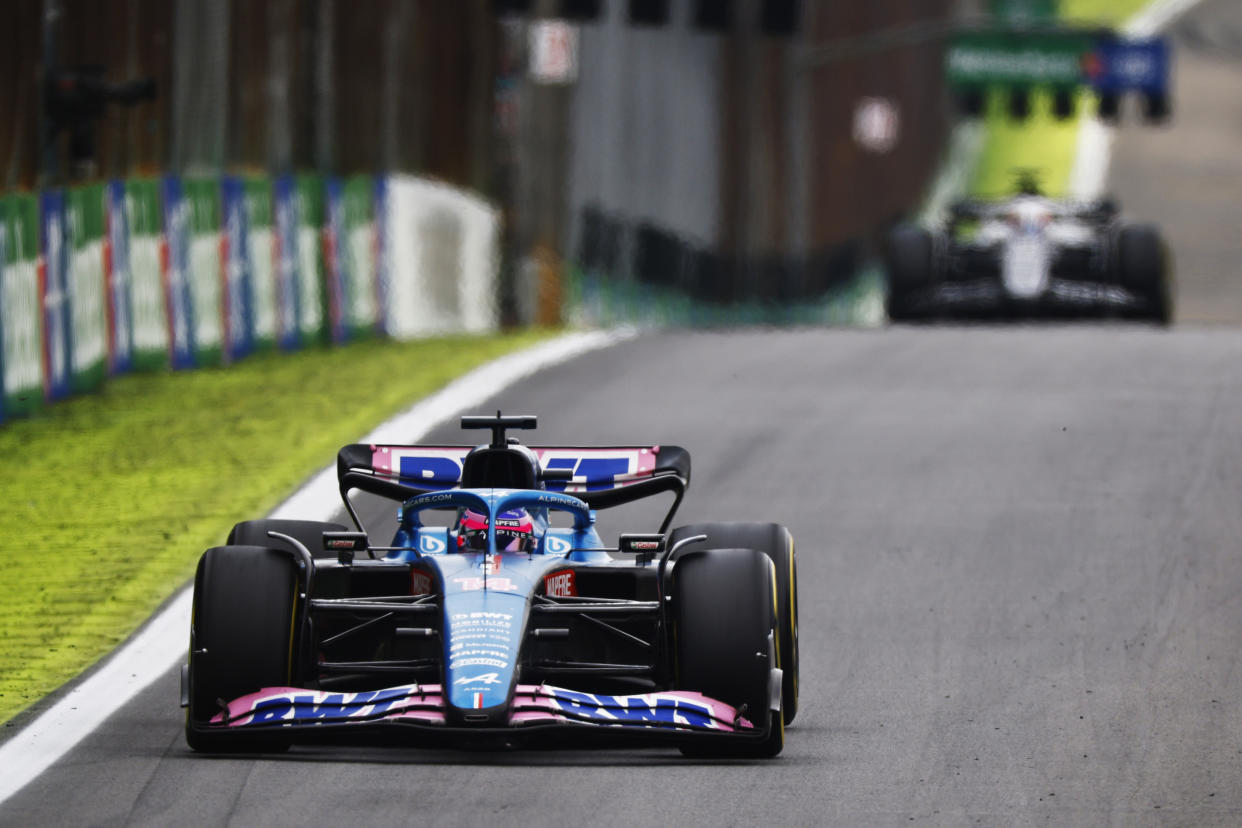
{"x":119,"y":281}
{"x":382,"y":254}
{"x":336,"y":264}
{"x":239,"y":301}
{"x":1116,"y":65}
{"x":57,"y":331}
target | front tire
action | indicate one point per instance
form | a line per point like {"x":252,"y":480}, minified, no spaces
{"x":775,"y":541}
{"x":1142,"y":265}
{"x":908,"y":259}
{"x":724,"y":615}
{"x":242,"y":636}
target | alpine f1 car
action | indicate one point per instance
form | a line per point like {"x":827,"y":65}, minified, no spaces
{"x":507,"y":622}
{"x":1028,"y":256}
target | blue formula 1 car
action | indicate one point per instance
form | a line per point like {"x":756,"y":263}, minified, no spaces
{"x":507,"y":622}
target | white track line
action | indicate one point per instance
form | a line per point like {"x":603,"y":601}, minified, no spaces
{"x":1089,"y":175}
{"x":161,"y":643}
{"x":1156,"y":16}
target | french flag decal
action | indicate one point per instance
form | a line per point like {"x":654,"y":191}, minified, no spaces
{"x":478,"y":701}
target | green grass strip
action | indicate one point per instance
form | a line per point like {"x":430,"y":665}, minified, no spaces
{"x":111,"y":497}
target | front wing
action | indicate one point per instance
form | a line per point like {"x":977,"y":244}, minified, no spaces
{"x":292,"y":710}
{"x":1064,"y":297}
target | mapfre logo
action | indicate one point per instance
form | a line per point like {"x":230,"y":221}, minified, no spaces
{"x":560,"y":584}
{"x":420,"y":583}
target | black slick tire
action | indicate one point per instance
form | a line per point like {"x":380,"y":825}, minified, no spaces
{"x":908,"y":261}
{"x":242,"y":635}
{"x":723,"y":631}
{"x":777,"y":543}
{"x":1142,"y":268}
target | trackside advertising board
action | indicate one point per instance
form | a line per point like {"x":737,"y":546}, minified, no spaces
{"x":1117,"y":65}
{"x":21,"y":328}
{"x":150,"y":308}
{"x":237,"y":299}
{"x":285,"y":252}
{"x":146,"y":274}
{"x":54,"y":295}
{"x":259,"y":243}
{"x":383,"y":272}
{"x":349,"y":254}
{"x":88,"y":320}
{"x":1057,"y":58}
{"x":441,"y":256}
{"x":117,"y":279}
{"x":1016,"y":58}
{"x":362,"y":288}
{"x":205,"y":275}
{"x":175,"y":267}
{"x":312,"y":297}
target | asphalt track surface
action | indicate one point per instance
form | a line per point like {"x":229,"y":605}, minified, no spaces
{"x":1021,"y":596}
{"x":1018,"y":548}
{"x":1187,"y":177}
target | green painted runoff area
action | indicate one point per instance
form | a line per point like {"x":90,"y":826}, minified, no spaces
{"x":111,"y":497}
{"x":1041,"y":142}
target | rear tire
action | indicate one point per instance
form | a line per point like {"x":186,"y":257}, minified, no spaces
{"x":723,"y":631}
{"x":908,"y":257}
{"x":1142,"y":267}
{"x":241,"y":639}
{"x":777,"y":543}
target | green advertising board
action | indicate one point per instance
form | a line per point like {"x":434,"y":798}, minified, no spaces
{"x":148,"y":308}
{"x":358,"y":249}
{"x":261,"y":251}
{"x":312,"y":297}
{"x":202,"y":199}
{"x":1016,"y":58}
{"x":21,"y":322}
{"x":84,"y":208}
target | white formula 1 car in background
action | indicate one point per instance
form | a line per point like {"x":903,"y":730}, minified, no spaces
{"x":1028,"y":256}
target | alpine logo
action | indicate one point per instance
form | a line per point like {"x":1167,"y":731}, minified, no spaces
{"x":482,"y":678}
{"x":560,"y":584}
{"x":430,"y":545}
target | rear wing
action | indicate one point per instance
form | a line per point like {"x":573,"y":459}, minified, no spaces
{"x":601,"y":476}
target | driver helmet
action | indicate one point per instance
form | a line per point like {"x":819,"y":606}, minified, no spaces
{"x":515,"y":531}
